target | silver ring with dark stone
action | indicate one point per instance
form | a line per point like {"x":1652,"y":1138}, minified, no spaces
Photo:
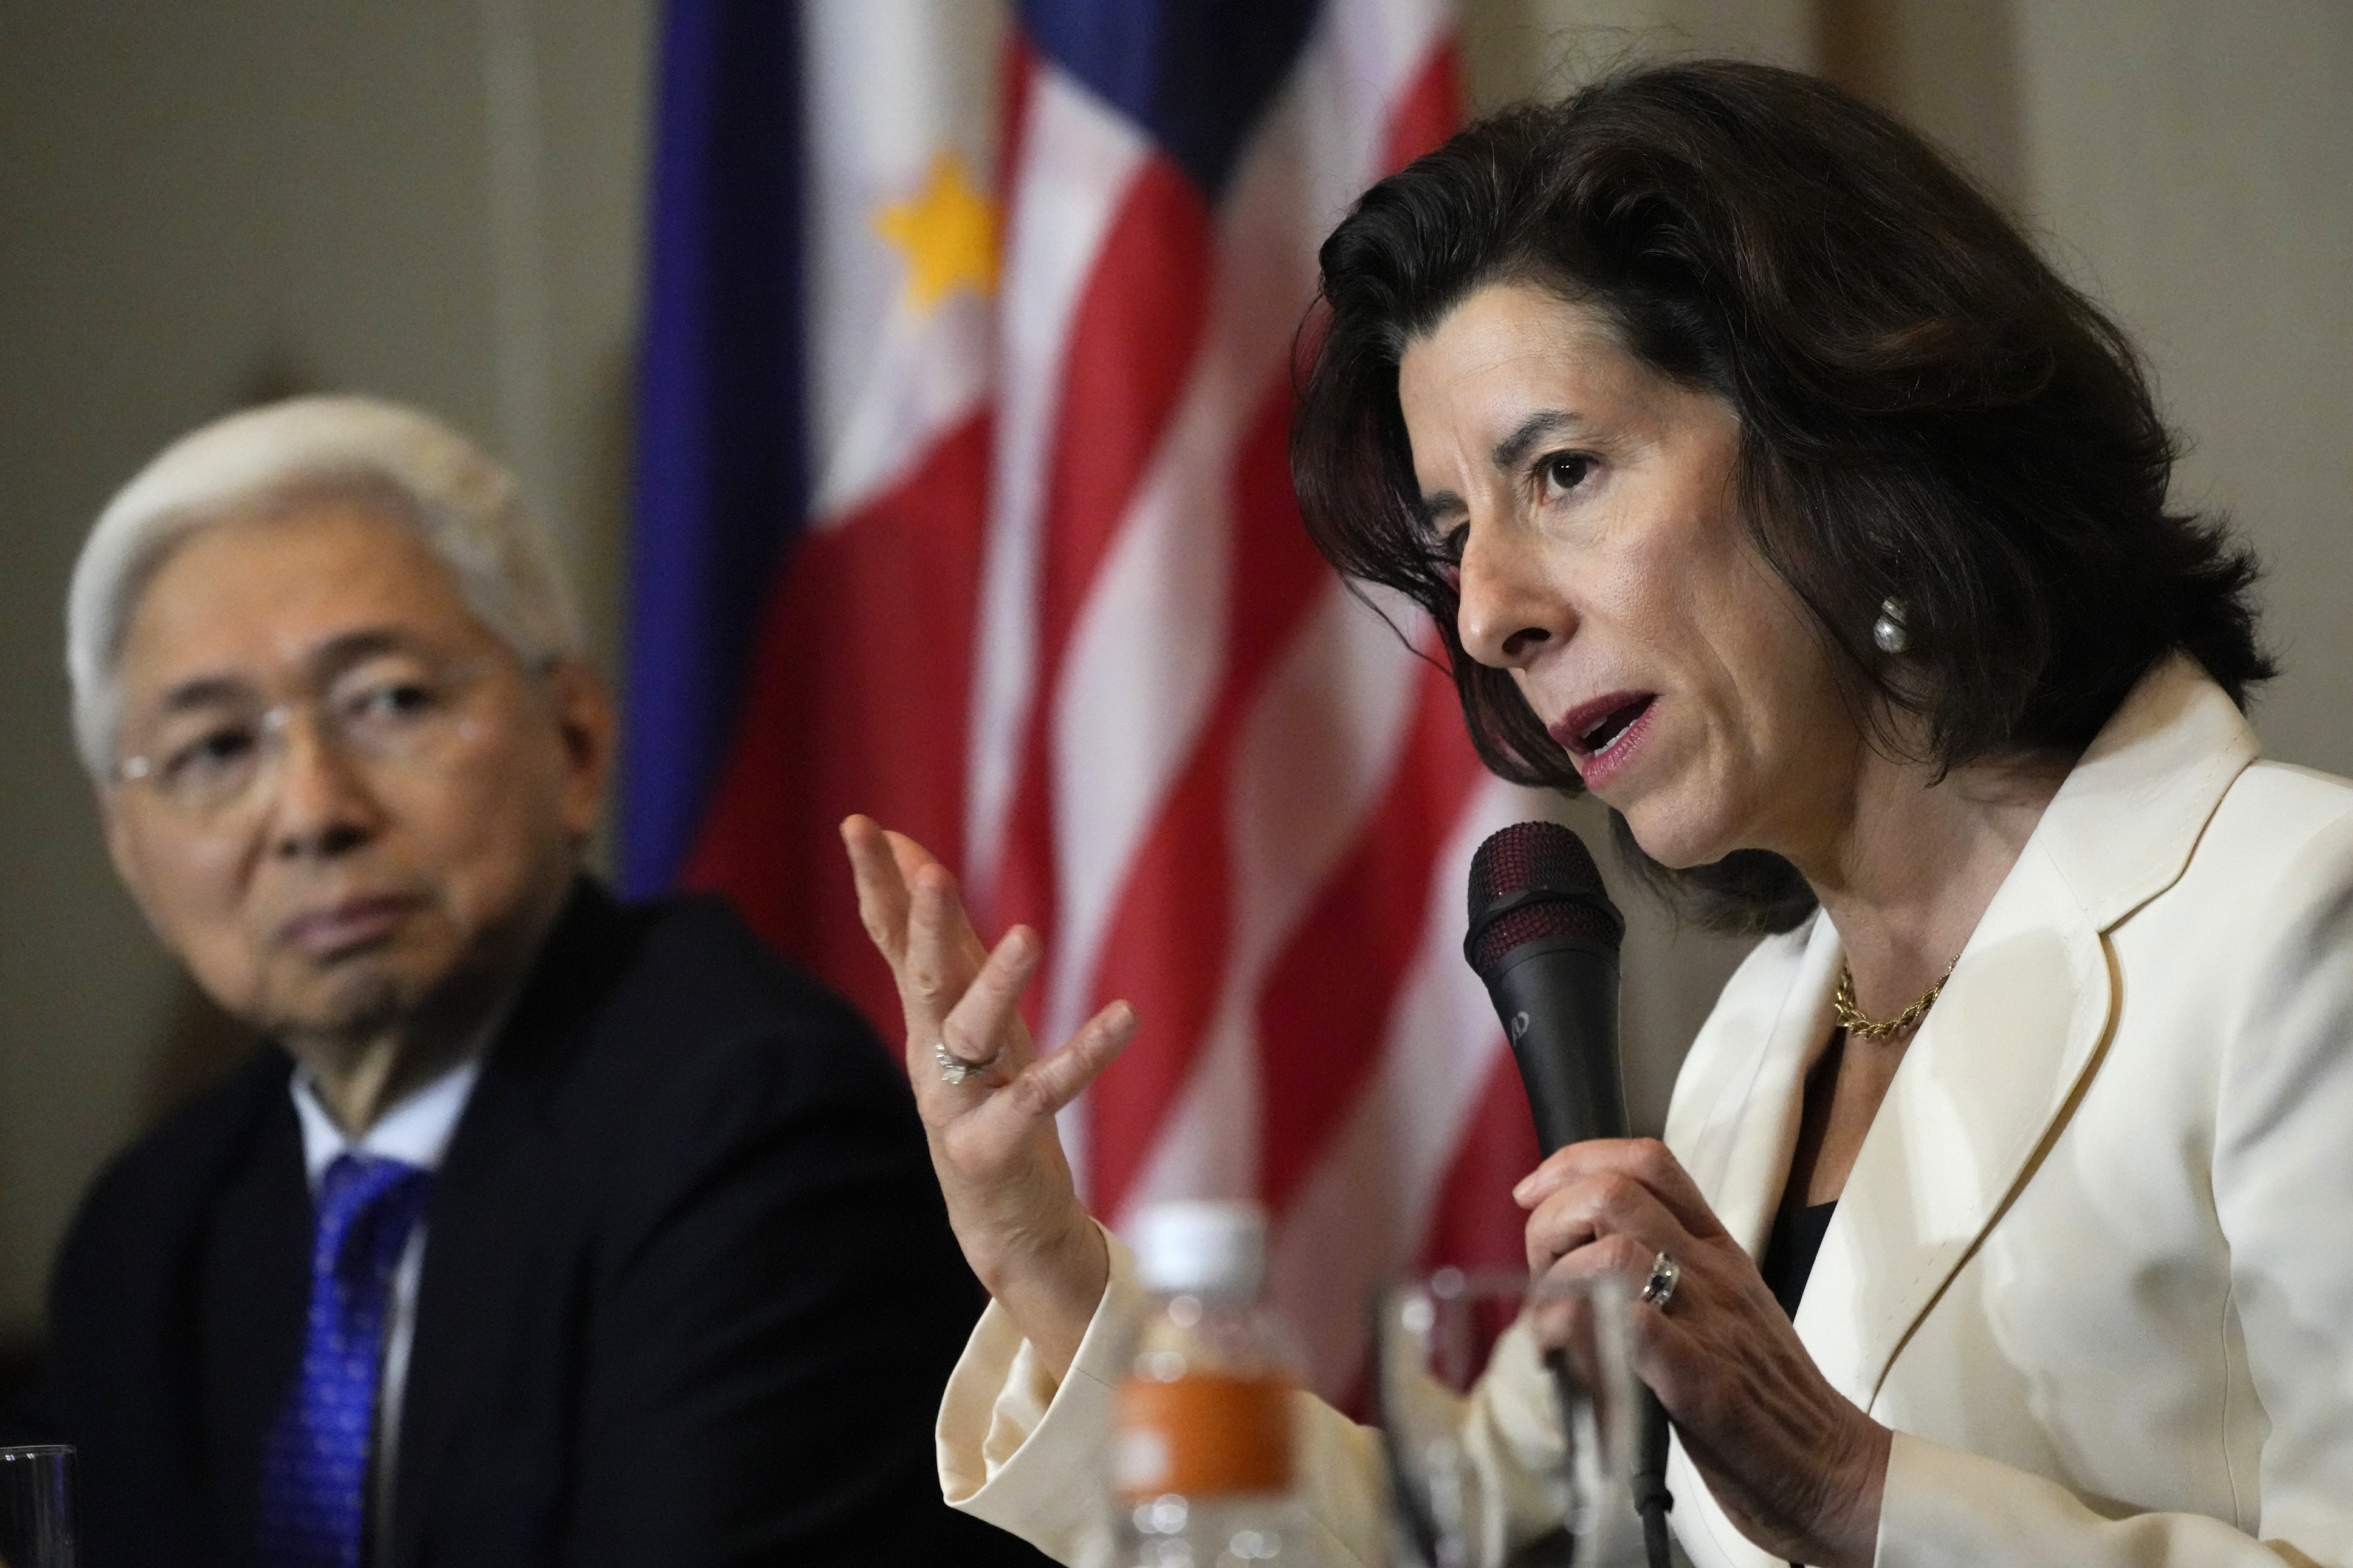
{"x":1660,"y":1289}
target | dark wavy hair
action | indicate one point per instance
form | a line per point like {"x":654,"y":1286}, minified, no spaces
{"x":1927,"y":412}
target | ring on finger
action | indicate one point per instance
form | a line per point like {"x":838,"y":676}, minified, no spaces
{"x":1660,"y":1288}
{"x":955,"y":1068}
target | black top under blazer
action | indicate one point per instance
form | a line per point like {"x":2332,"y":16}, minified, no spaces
{"x":688,"y":1298}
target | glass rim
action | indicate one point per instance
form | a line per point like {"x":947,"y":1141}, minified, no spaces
{"x":34,"y":1450}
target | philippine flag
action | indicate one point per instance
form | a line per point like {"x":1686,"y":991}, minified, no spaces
{"x":964,"y":503}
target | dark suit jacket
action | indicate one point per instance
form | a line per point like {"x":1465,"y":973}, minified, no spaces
{"x":689,"y":1295}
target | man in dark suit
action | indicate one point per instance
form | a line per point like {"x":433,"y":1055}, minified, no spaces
{"x":548,"y":1231}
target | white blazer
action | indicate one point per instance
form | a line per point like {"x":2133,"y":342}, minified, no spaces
{"x":2094,"y":1262}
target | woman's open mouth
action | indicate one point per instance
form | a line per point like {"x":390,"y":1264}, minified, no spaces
{"x":1595,"y":727}
{"x":1604,"y":735}
{"x":1600,"y":734}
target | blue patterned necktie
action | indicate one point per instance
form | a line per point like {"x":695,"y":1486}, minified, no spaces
{"x":314,"y":1462}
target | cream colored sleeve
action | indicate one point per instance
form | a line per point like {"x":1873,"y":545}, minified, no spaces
{"x":1946,"y":1509}
{"x":1031,"y":1457}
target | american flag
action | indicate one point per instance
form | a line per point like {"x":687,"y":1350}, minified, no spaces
{"x":964,"y":503}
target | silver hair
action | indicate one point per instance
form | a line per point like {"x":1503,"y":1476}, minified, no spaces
{"x":463,"y":506}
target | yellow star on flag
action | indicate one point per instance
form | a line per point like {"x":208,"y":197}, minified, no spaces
{"x":947,"y":232}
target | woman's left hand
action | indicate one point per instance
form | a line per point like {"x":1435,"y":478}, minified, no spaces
{"x":1792,"y":1461}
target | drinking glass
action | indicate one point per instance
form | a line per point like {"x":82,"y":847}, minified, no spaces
{"x":1432,"y":1340}
{"x":36,"y":1524}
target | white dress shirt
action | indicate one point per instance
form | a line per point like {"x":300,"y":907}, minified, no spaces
{"x":416,"y":1131}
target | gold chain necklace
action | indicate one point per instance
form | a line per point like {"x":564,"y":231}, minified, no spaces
{"x":1854,"y":1021}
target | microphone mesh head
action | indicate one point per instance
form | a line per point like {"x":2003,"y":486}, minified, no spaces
{"x":1536,"y":879}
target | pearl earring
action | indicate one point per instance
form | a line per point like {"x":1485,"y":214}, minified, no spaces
{"x":1888,"y":631}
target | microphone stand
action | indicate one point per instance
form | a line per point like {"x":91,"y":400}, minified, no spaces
{"x":1651,"y":1498}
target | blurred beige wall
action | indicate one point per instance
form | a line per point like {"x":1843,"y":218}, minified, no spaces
{"x":440,"y":200}
{"x":2190,"y":163}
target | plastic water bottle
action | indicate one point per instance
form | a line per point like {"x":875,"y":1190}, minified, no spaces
{"x":1201,"y":1451}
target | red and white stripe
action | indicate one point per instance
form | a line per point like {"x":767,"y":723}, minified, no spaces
{"x":1223,"y":786}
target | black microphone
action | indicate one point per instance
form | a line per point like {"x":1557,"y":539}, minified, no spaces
{"x":1544,"y":938}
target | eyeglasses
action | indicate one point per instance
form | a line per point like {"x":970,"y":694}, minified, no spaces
{"x":224,"y":753}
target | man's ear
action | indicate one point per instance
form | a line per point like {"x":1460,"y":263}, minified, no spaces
{"x":584,"y":723}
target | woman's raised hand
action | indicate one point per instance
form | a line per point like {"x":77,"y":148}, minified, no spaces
{"x":1795,"y":1464}
{"x":994,"y":1148}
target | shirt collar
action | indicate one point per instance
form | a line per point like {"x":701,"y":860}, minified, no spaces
{"x":416,"y":1131}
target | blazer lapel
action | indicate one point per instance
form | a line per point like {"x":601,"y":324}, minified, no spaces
{"x":1761,"y":1138}
{"x":487,"y":1197}
{"x":475,"y":1238}
{"x":1986,"y":1077}
{"x":1994,"y":1071}
{"x":1736,"y":1143}
{"x":1988,"y":1074}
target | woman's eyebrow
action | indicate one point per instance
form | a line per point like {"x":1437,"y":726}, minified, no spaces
{"x":1507,"y":454}
{"x":1544,"y":421}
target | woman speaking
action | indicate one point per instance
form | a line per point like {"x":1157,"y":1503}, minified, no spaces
{"x":1762,"y":481}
